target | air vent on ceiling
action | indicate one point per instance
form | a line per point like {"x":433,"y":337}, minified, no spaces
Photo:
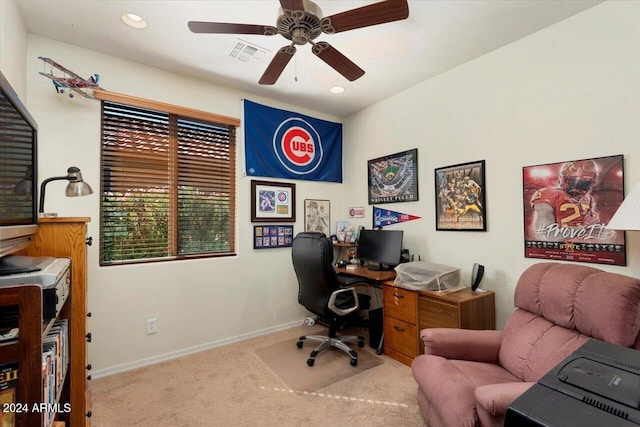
{"x":245,"y":52}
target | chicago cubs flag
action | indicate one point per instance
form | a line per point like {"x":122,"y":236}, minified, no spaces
{"x":283,"y":144}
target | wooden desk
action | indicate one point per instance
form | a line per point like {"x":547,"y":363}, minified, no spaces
{"x":406,"y":312}
{"x":374,"y":279}
{"x":372,"y":276}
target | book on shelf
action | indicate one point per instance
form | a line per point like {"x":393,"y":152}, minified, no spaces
{"x":55,"y":361}
{"x":8,"y":393}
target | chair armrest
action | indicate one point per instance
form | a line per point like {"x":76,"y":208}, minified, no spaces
{"x":343,"y":311}
{"x":462,"y":344}
{"x":496,"y":398}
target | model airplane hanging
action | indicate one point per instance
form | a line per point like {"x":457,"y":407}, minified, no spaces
{"x":70,"y":80}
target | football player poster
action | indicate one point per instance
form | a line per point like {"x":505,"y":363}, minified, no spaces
{"x":460,"y":197}
{"x":567,"y":206}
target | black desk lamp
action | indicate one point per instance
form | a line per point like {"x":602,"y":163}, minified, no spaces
{"x":24,"y":186}
{"x":76,"y":187}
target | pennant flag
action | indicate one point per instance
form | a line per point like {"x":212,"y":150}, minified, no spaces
{"x":283,"y":144}
{"x":382,"y":217}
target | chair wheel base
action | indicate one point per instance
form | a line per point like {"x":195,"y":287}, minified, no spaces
{"x":329,"y":342}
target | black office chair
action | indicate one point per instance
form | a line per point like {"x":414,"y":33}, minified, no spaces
{"x":320,"y":292}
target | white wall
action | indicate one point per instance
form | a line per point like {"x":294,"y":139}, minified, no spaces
{"x":197,"y":303}
{"x":568,"y":92}
{"x":13,"y":46}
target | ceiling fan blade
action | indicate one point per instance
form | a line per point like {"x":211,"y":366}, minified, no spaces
{"x":366,"y":16}
{"x":337,"y":61}
{"x":230,"y":28}
{"x":277,"y":65}
{"x":292,"y":4}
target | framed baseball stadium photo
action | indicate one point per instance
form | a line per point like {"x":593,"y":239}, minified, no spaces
{"x":567,"y":206}
{"x":393,"y":178}
{"x":460,"y":197}
{"x":273,"y":201}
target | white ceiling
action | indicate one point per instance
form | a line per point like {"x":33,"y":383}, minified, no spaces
{"x":437,"y":36}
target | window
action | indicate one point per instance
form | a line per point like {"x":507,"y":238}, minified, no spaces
{"x":167,"y":184}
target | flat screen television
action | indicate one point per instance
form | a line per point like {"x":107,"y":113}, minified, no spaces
{"x":18,"y":176}
{"x":382,"y":248}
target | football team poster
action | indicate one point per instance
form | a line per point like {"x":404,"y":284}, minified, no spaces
{"x":567,"y":206}
{"x":460,"y":197}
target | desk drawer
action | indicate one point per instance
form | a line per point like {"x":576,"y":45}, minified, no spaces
{"x":437,"y":314}
{"x":400,"y":304}
{"x":401,"y":336}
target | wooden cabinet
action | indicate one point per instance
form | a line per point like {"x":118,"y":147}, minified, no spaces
{"x":67,"y":237}
{"x":400,"y":311}
{"x":26,"y":351}
{"x":406,"y":312}
{"x":464,"y":309}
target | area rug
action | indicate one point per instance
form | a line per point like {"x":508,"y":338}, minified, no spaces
{"x":289,"y":363}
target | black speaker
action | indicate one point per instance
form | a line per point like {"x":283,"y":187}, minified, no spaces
{"x":476,"y":276}
{"x":375,"y":327}
{"x":405,"y":256}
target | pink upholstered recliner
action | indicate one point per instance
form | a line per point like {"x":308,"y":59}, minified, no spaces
{"x":469,"y":378}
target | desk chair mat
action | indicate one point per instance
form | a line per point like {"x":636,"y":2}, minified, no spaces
{"x":289,"y":363}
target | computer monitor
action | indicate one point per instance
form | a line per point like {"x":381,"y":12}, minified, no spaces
{"x":382,"y":247}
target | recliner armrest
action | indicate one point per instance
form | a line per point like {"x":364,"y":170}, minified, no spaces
{"x":496,"y":398}
{"x":462,"y":344}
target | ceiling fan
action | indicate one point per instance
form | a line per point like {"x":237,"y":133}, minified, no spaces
{"x":301,"y":22}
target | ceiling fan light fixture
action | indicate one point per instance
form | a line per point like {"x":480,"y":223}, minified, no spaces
{"x":336,"y":89}
{"x":301,"y":22}
{"x":134,"y":21}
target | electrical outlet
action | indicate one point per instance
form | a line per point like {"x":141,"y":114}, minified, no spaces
{"x":152,"y":326}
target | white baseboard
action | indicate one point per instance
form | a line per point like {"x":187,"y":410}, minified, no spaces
{"x":190,"y":350}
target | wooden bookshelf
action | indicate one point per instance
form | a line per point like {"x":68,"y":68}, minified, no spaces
{"x":26,"y":351}
{"x":61,"y":237}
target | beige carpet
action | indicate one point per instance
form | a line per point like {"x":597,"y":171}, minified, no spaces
{"x":232,"y":386}
{"x":290,"y":364}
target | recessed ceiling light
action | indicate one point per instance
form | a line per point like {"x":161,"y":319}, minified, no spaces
{"x":133,"y":20}
{"x":337,"y":89}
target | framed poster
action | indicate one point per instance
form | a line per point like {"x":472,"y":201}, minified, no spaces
{"x":317,"y":216}
{"x":272,"y":236}
{"x":460,"y":197}
{"x":273,"y":201}
{"x":393,"y":178}
{"x":567,"y":206}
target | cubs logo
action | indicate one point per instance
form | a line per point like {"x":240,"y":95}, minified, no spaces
{"x":282,"y":197}
{"x":297,"y":146}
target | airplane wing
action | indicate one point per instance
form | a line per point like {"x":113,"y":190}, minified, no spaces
{"x":70,"y":80}
{"x":54,"y":64}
